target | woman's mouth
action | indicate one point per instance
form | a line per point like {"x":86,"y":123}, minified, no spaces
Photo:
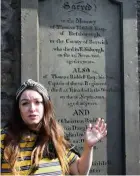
{"x":32,"y":116}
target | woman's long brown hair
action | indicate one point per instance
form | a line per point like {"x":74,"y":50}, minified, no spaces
{"x":50,"y":130}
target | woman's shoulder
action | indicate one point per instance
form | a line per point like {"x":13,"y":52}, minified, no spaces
{"x":72,"y":154}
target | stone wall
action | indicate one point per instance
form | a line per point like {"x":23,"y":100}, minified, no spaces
{"x":10,"y":55}
{"x":138,"y":24}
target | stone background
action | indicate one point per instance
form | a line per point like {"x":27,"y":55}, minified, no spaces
{"x":10,"y":52}
{"x":138,"y":30}
{"x":11,"y":49}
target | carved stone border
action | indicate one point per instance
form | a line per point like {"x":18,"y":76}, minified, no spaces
{"x":130,"y":92}
{"x":29,"y":40}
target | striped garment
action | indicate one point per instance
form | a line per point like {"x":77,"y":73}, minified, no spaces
{"x":46,"y":166}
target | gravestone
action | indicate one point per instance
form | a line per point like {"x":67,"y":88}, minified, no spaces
{"x":84,"y":52}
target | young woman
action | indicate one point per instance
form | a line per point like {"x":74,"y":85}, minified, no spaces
{"x":34,"y":143}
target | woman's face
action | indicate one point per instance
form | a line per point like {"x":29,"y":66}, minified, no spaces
{"x":31,"y":108}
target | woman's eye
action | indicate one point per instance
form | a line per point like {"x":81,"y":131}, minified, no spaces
{"x":38,"y":102}
{"x":25,"y":103}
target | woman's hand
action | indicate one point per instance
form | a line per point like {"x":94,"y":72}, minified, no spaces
{"x":95,"y":132}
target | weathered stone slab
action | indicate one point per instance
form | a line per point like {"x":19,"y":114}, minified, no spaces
{"x":80,"y":65}
{"x":88,"y":62}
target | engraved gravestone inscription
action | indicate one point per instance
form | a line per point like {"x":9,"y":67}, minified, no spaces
{"x":80,"y":66}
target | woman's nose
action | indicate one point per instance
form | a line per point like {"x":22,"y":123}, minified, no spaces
{"x":32,"y":107}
